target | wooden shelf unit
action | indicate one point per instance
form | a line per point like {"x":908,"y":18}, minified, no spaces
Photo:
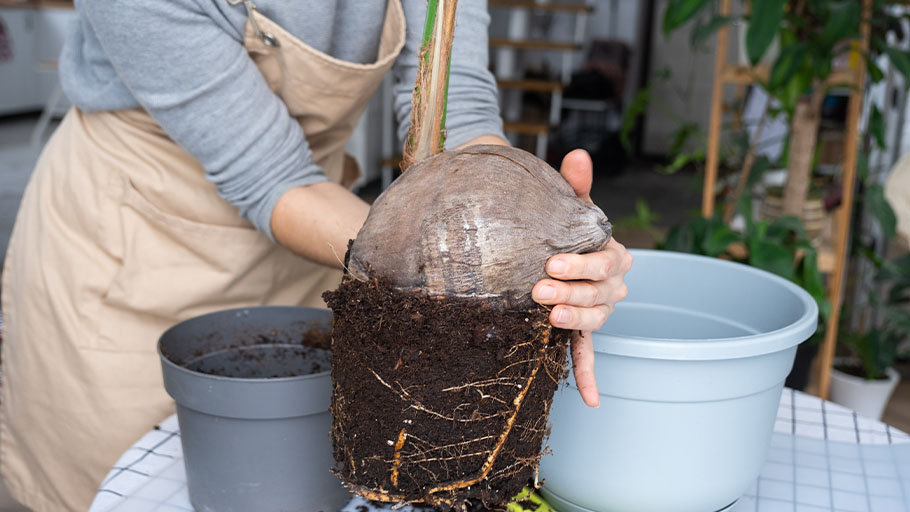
{"x":542,"y":6}
{"x":534,"y":44}
{"x":531,"y":85}
{"x":832,"y":260}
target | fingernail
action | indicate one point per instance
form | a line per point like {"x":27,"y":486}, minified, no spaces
{"x":556,"y":267}
{"x":545,"y":293}
{"x":562,"y":316}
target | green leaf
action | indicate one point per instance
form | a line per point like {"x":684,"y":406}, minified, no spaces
{"x":680,"y":11}
{"x":786,"y":65}
{"x":897,"y":269}
{"x":718,"y":241}
{"x":682,"y":135}
{"x":704,"y":31}
{"x":783,"y":227}
{"x":773,"y":258}
{"x":877,"y":126}
{"x":762,"y":163}
{"x":681,"y":238}
{"x":812,"y":282}
{"x":790,"y":92}
{"x":763,"y":25}
{"x":635,"y":109}
{"x":875,"y":73}
{"x":862,"y":165}
{"x":900,"y":59}
{"x":899,"y":319}
{"x":682,"y":160}
{"x":881,"y":210}
{"x":843,"y":21}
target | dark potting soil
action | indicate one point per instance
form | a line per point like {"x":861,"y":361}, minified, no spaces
{"x":268,"y":358}
{"x":440,"y":399}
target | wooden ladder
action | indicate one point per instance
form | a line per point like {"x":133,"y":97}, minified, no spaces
{"x":505,"y":54}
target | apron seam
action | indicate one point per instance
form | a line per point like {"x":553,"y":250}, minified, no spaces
{"x":334,"y":61}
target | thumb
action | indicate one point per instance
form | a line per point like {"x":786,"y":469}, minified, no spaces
{"x":578,"y":170}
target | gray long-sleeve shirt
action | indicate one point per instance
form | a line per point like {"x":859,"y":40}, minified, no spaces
{"x":184,"y":62}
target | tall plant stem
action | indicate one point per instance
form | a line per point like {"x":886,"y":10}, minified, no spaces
{"x":426,"y":136}
{"x":803,"y":137}
{"x":748,"y":163}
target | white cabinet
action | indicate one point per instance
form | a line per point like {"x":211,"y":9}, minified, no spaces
{"x":19,"y":75}
{"x":36,"y":37}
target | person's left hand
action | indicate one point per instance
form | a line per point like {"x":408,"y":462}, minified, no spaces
{"x":585,"y":287}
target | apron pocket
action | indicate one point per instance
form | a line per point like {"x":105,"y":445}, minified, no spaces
{"x":173,"y":268}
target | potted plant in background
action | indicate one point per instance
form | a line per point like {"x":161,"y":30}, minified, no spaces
{"x":816,"y":40}
{"x":865,"y":380}
{"x":780,"y":246}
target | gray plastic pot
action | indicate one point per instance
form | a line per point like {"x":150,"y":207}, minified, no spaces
{"x":690,"y":369}
{"x":252,"y":444}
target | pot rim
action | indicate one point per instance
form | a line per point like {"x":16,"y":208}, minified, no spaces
{"x":251,"y":310}
{"x":891,"y":372}
{"x":687,"y":349}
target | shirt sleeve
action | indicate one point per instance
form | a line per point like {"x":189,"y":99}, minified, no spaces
{"x":473,"y":104}
{"x":195,"y":78}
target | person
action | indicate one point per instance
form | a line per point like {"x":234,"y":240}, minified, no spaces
{"x":201,"y":168}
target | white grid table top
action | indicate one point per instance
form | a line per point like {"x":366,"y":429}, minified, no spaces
{"x":823,"y":458}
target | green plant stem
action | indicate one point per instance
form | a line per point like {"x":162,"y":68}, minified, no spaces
{"x":426,"y":136}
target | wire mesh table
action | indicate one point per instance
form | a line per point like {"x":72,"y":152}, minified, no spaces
{"x":823,"y":458}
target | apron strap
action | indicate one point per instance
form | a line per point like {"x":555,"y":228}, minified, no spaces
{"x":267,"y":38}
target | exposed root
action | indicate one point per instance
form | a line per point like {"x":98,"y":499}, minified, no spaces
{"x":488,"y":465}
{"x":463,"y":435}
{"x":396,"y":457}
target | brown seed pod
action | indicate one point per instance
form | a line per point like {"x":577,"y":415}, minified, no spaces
{"x":476,"y":222}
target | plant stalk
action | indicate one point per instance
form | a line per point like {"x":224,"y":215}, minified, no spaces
{"x":803,"y":137}
{"x":748,"y":163}
{"x":426,"y":136}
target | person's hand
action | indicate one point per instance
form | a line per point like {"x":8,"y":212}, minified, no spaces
{"x":585,"y":287}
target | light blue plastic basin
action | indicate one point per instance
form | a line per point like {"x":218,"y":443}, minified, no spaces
{"x":690,"y":368}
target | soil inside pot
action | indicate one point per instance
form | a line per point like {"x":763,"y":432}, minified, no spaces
{"x":440,"y":399}
{"x":267,"y":358}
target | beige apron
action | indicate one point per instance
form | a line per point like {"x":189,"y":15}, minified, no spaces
{"x":120,"y":236}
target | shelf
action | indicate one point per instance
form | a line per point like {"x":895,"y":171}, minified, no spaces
{"x":37,"y":4}
{"x":531,"y":85}
{"x":527,"y":128}
{"x":534,"y":44}
{"x":745,"y":75}
{"x":542,"y":6}
{"x":585,"y":104}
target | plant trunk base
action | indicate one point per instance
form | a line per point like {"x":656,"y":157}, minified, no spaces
{"x":439,"y":400}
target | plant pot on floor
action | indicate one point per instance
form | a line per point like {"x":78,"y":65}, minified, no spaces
{"x":867,"y":397}
{"x":814,"y":216}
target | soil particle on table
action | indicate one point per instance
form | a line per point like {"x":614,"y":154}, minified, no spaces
{"x":428,"y":390}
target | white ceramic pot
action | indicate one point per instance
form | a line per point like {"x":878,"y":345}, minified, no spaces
{"x":867,"y":397}
{"x":690,"y":369}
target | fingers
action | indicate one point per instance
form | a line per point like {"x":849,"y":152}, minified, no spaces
{"x":578,"y":169}
{"x":579,"y":293}
{"x":595,"y":266}
{"x":583,"y":368}
{"x":573,"y":317}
